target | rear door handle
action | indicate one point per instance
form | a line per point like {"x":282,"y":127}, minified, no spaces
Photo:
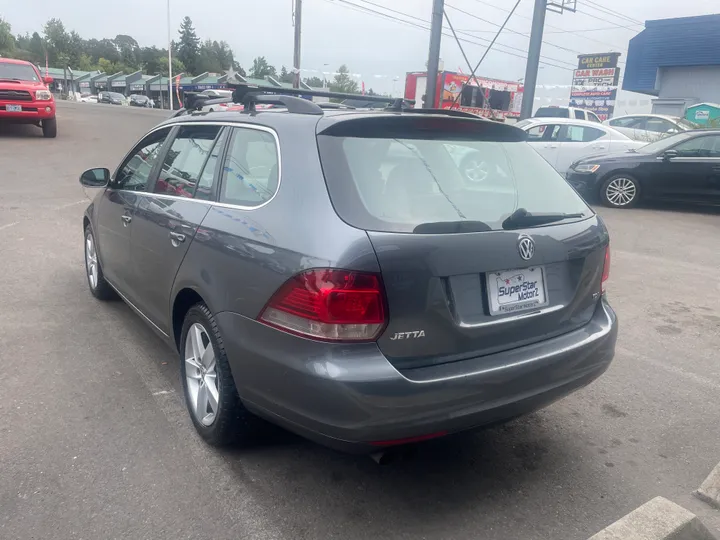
{"x":126,"y":220}
{"x":176,"y":238}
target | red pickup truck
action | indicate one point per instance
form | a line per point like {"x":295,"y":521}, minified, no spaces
{"x":25,"y":97}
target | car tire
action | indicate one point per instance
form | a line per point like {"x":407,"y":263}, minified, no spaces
{"x":49,"y":128}
{"x":209,"y":380}
{"x":99,"y":287}
{"x":620,"y":190}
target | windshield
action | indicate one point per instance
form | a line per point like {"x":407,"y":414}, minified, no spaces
{"x":664,"y":143}
{"x":687,"y":124}
{"x":22,"y":72}
{"x":115,"y":95}
{"x":401,"y":185}
{"x":552,"y":112}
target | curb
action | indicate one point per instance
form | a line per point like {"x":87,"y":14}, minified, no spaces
{"x":658,"y":519}
{"x":709,"y":491}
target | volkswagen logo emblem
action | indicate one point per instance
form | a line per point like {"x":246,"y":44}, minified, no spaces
{"x":526,"y":247}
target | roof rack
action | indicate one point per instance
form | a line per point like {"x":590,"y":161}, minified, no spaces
{"x":293,"y":104}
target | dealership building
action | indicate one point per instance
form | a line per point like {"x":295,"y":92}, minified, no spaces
{"x":677,"y":61}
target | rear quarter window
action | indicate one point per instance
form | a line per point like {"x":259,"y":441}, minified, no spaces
{"x":398,"y":183}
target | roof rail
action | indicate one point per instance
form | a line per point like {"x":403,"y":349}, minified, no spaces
{"x":239,"y":91}
{"x":293,"y":104}
{"x":448,"y":112}
{"x":330,"y":105}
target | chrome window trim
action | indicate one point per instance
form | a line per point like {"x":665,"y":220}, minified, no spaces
{"x":211,"y":203}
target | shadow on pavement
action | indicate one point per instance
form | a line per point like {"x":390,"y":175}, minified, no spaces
{"x":18,"y":131}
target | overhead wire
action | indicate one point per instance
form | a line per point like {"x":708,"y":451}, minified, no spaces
{"x":363,"y":9}
{"x":613,"y":12}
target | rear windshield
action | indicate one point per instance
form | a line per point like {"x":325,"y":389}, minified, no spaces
{"x":397,"y":184}
{"x":552,"y":112}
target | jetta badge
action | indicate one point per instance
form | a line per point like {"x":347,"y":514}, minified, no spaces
{"x":526,"y":247}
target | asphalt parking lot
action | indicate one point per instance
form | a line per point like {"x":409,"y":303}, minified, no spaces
{"x":95,"y":441}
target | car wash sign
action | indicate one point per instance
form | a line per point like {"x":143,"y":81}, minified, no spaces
{"x":595,"y":83}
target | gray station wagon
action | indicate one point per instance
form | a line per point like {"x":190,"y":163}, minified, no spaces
{"x":337,"y":273}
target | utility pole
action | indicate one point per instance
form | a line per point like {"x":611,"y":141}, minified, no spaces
{"x":170,"y":96}
{"x":434,"y":54}
{"x":298,"y":30}
{"x":533,"y":60}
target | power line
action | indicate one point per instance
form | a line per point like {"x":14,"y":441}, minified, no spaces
{"x":595,"y":16}
{"x":366,"y":10}
{"x":462,"y":32}
{"x":608,"y":11}
{"x":576,"y":32}
{"x":510,"y":30}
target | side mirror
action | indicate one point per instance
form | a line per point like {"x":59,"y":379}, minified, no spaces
{"x":47,"y":80}
{"x":95,"y":178}
{"x":669,"y":154}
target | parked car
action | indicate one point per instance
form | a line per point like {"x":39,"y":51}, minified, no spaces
{"x":684,"y":167}
{"x":25,"y":97}
{"x":88,"y":98}
{"x":335,"y":273}
{"x":561,"y":141}
{"x":566,"y":112}
{"x":112,"y":98}
{"x":138,"y":100}
{"x":650,"y":127}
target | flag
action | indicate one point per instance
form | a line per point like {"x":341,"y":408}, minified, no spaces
{"x":363,"y":88}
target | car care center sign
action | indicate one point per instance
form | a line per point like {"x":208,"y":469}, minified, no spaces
{"x":595,"y":83}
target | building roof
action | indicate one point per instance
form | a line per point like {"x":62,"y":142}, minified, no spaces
{"x":714,"y":105}
{"x":685,"y":41}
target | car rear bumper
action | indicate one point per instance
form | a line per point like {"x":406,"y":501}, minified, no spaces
{"x":32,"y":111}
{"x":350,"y":397}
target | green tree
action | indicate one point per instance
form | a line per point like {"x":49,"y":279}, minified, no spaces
{"x":129,"y":49}
{"x":188,"y":48}
{"x":343,"y":82}
{"x":85,"y":63}
{"x":314,"y":82}
{"x":57,"y":39}
{"x":261,"y":69}
{"x":7,"y":40}
{"x":177,"y":66}
{"x":286,"y":76}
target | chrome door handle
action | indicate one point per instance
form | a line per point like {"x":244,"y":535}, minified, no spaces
{"x":126,"y":220}
{"x":176,"y":238}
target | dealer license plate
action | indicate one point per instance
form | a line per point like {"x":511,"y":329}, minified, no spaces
{"x":13,"y":108}
{"x":512,"y":291}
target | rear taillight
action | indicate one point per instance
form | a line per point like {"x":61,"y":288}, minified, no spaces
{"x":606,"y":269}
{"x":330,"y":305}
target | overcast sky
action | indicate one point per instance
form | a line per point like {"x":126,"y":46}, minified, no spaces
{"x":377,"y":48}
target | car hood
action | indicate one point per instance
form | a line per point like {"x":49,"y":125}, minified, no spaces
{"x":626,"y":155}
{"x":30,"y":86}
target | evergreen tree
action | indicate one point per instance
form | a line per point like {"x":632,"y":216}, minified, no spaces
{"x":188,"y":48}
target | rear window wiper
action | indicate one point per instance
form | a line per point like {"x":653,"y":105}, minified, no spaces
{"x":522,"y":218}
{"x":449,"y":227}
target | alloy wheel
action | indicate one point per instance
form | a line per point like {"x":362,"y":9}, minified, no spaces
{"x":91,"y":262}
{"x":201,"y":375}
{"x":621,"y":191}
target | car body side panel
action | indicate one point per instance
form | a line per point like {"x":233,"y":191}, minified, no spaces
{"x":240,"y":257}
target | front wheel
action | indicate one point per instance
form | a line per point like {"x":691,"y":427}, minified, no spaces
{"x":99,"y":287}
{"x":620,"y":191}
{"x":49,"y":128}
{"x":212,"y":399}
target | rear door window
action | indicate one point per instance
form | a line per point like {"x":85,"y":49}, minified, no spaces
{"x":251,"y":173}
{"x":575,"y":133}
{"x":185,"y":161}
{"x":579,"y":114}
{"x":406,"y":182}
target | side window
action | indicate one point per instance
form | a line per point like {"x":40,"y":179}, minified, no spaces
{"x":659,"y":125}
{"x":547,"y":132}
{"x":185,"y":160}
{"x":204,"y":189}
{"x":133,"y":174}
{"x":580,"y":134}
{"x":251,"y":169}
{"x":593,"y":117}
{"x":579,"y":114}
{"x":699,"y":147}
{"x":626,"y":121}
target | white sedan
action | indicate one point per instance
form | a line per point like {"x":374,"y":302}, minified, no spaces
{"x":562,"y":141}
{"x":649,"y":127}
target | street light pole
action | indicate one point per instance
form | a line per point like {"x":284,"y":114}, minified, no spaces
{"x":170,"y":96}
